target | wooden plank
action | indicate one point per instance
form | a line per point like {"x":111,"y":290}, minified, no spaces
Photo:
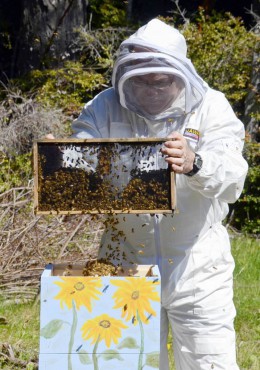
{"x":105,"y":211}
{"x":36,"y":176}
{"x":173,"y":190}
{"x":127,"y":270}
{"x":100,"y":140}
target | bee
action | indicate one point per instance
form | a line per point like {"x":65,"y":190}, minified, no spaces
{"x":79,"y":347}
{"x":105,"y":289}
{"x":125,"y":307}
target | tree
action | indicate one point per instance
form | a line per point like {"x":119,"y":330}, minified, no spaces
{"x":35,"y":33}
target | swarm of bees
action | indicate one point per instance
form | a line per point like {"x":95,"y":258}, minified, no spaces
{"x":103,"y":178}
{"x":100,"y":268}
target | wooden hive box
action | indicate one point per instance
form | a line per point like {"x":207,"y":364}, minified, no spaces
{"x":73,"y":176}
{"x":100,"y":323}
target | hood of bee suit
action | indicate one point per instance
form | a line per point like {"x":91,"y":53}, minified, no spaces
{"x":157,"y":49}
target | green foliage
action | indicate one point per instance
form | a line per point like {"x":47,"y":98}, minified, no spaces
{"x":98,"y":47}
{"x":246,"y":211}
{"x":221,"y":50}
{"x":15,"y":172}
{"x":67,"y":87}
{"x":107,"y":13}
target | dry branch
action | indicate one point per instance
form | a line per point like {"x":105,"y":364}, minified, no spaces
{"x":29,"y":242}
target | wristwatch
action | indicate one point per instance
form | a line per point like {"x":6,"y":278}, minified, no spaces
{"x":197,"y":164}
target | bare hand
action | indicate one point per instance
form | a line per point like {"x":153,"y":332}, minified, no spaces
{"x":179,"y":155}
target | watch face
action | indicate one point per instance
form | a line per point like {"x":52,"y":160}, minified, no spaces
{"x":197,"y":164}
{"x":198,"y":161}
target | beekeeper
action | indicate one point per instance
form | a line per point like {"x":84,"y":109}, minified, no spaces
{"x":157,"y":93}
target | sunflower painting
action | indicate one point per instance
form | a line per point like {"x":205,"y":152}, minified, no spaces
{"x":102,"y":328}
{"x":74,"y":293}
{"x":78,"y":290}
{"x":133,"y":297}
{"x":100,"y":323}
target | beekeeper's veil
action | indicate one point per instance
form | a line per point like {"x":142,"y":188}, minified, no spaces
{"x":156,"y":48}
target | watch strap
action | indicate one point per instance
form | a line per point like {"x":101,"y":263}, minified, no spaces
{"x":197,"y":164}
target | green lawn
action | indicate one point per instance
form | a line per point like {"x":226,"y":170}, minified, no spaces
{"x":21,"y":329}
{"x":246,"y":297}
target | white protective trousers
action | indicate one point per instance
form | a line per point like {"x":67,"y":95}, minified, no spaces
{"x":201,"y":312}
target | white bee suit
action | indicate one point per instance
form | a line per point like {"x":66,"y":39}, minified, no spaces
{"x":191,"y":247}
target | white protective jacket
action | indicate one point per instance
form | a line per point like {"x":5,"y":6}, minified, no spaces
{"x":207,"y":121}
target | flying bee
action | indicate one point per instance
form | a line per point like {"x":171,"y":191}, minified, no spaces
{"x":105,"y":289}
{"x":79,"y":347}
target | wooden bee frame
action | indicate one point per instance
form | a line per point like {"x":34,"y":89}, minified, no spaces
{"x":90,"y":176}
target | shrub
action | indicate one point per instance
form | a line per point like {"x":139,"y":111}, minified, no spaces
{"x":221,"y":50}
{"x":245,"y":215}
{"x":15,"y":172}
{"x":23,"y":119}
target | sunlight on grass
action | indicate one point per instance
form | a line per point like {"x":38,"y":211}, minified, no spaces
{"x":21,"y":331}
{"x":246,"y":298}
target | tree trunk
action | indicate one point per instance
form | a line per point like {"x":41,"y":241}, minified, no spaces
{"x":42,"y":33}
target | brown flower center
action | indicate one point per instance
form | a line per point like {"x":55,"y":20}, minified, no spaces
{"x":79,"y":286}
{"x":135,"y":294}
{"x":105,"y":324}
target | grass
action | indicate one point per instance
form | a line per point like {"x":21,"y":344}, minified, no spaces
{"x":21,"y":332}
{"x":22,"y":328}
{"x":246,"y":298}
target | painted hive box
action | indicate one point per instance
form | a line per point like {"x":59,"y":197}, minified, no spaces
{"x":102,"y":176}
{"x":100,"y":322}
